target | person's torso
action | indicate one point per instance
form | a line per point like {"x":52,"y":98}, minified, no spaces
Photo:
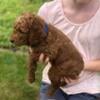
{"x":86,"y":37}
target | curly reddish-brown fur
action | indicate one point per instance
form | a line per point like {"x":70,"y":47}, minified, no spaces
{"x":29,"y":29}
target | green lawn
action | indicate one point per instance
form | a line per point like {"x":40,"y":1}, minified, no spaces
{"x":13,"y":77}
{"x":9,"y":10}
{"x":13,"y":66}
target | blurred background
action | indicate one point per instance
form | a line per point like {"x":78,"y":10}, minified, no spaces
{"x":13,"y":65}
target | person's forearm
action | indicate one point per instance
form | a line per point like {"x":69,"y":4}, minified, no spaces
{"x":93,"y":65}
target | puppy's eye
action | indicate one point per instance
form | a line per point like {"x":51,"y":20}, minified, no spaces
{"x":22,"y":32}
{"x":20,"y":29}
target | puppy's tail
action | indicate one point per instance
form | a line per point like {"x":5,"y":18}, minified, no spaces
{"x":52,"y":90}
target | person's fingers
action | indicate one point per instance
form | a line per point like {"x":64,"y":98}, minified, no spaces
{"x":41,"y":58}
{"x":62,"y":80}
{"x":46,"y":60}
{"x":68,"y":80}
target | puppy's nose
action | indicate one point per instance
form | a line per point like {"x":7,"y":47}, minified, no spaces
{"x":12,"y":41}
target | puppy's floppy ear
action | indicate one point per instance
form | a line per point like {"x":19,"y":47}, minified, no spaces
{"x":24,"y":22}
{"x":44,"y":34}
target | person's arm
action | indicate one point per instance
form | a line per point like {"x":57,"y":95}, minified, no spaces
{"x":93,"y":65}
{"x":43,"y":12}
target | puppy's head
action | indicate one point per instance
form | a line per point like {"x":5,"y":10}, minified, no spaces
{"x":22,"y":29}
{"x":29,"y":29}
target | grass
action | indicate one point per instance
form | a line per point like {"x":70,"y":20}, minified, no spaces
{"x":13,"y":82}
{"x":9,"y":10}
{"x":13,"y":66}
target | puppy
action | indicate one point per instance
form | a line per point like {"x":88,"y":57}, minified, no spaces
{"x":32,"y":31}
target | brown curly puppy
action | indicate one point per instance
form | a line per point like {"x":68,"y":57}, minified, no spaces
{"x":31,"y":30}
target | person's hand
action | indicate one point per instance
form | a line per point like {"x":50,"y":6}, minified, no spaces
{"x":70,"y":81}
{"x":43,"y":59}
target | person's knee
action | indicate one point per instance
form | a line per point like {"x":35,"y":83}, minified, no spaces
{"x":84,"y":96}
{"x":59,"y":95}
{"x":43,"y":92}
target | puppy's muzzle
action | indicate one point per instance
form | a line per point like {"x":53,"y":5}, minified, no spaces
{"x":12,"y":41}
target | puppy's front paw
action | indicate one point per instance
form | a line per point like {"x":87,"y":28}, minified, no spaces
{"x":31,"y":78}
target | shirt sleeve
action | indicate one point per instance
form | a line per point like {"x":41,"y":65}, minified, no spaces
{"x":43,"y":13}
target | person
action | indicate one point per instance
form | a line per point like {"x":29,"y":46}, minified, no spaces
{"x":80,"y":21}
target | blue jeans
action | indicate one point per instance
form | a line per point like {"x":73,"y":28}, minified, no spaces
{"x":60,"y":95}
